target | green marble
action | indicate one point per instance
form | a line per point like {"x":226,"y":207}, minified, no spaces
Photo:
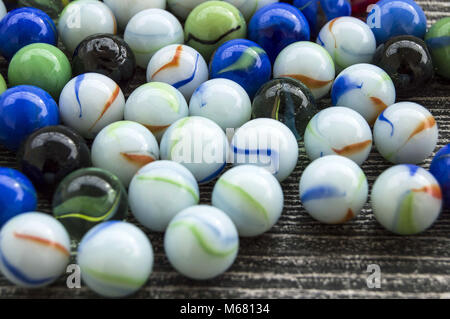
{"x":42,"y":65}
{"x":88,"y":197}
{"x":3,"y":86}
{"x":438,"y":41}
{"x":286,"y":100}
{"x":52,"y":7}
{"x":211,"y":24}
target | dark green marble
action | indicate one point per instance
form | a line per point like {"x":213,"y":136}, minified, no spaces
{"x":288,"y":101}
{"x":52,"y":7}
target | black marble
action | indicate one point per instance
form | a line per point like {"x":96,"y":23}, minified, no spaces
{"x":105,"y":54}
{"x":51,"y":153}
{"x":407,"y":61}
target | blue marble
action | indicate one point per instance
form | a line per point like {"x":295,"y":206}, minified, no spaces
{"x":440,"y":168}
{"x":276,"y":26}
{"x":25,"y":26}
{"x":242,"y":61}
{"x":330,"y":8}
{"x":23,"y":110}
{"x":390,"y":18}
{"x":17,"y":194}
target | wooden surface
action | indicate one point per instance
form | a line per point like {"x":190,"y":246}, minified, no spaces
{"x":299,"y":257}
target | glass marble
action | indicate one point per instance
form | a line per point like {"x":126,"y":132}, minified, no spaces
{"x":34,"y":250}
{"x":309,"y":63}
{"x":180,"y":66}
{"x":42,"y":65}
{"x":276,"y":26}
{"x":106,"y":54}
{"x":288,"y":101}
{"x":123,"y":148}
{"x":440,"y":168}
{"x":242,"y":61}
{"x":198,"y":144}
{"x":150,"y":30}
{"x":151,"y":187}
{"x":406,"y":199}
{"x":267,"y":143}
{"x":124,"y":10}
{"x":365,"y":88}
{"x":17,"y":194}
{"x":251,"y":197}
{"x":407,"y":61}
{"x":223,"y":101}
{"x":319,"y":12}
{"x":182,"y":8}
{"x":201,"y":242}
{"x":51,"y":153}
{"x":211,"y":24}
{"x":89,"y":102}
{"x":23,"y":110}
{"x":438,"y":42}
{"x":333,"y":189}
{"x":2,"y":10}
{"x":249,"y":7}
{"x":405,"y":132}
{"x":83,"y":18}
{"x":116,"y":259}
{"x":390,"y":18}
{"x":338,"y":131}
{"x":87,"y":197}
{"x":156,"y":105}
{"x":52,"y":7}
{"x":25,"y":26}
{"x":3,"y":86}
{"x":348,"y":40}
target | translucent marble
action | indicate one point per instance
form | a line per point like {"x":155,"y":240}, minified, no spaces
{"x":365,"y":88}
{"x":150,"y":30}
{"x":333,"y":189}
{"x":201,"y":242}
{"x":348,"y":40}
{"x":124,"y":10}
{"x":251,"y":197}
{"x":88,"y":197}
{"x":34,"y":250}
{"x":267,"y":143}
{"x":123,"y":148}
{"x":288,"y":101}
{"x":405,"y":132}
{"x":197,"y":143}
{"x":338,"y":131}
{"x":223,"y":101}
{"x":153,"y":184}
{"x":116,"y":259}
{"x":309,"y":63}
{"x":89,"y":102}
{"x":406,"y":199}
{"x":180,"y":66}
{"x":81,"y":19}
{"x":156,"y":105}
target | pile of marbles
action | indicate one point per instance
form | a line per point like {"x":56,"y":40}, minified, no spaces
{"x":227,"y":82}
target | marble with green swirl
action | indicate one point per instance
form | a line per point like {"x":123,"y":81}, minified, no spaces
{"x":211,"y":24}
{"x":244,"y":62}
{"x":438,"y":42}
{"x":201,"y":242}
{"x":288,"y":101}
{"x":87,"y":197}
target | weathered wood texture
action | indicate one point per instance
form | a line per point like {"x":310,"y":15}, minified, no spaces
{"x":301,"y":258}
